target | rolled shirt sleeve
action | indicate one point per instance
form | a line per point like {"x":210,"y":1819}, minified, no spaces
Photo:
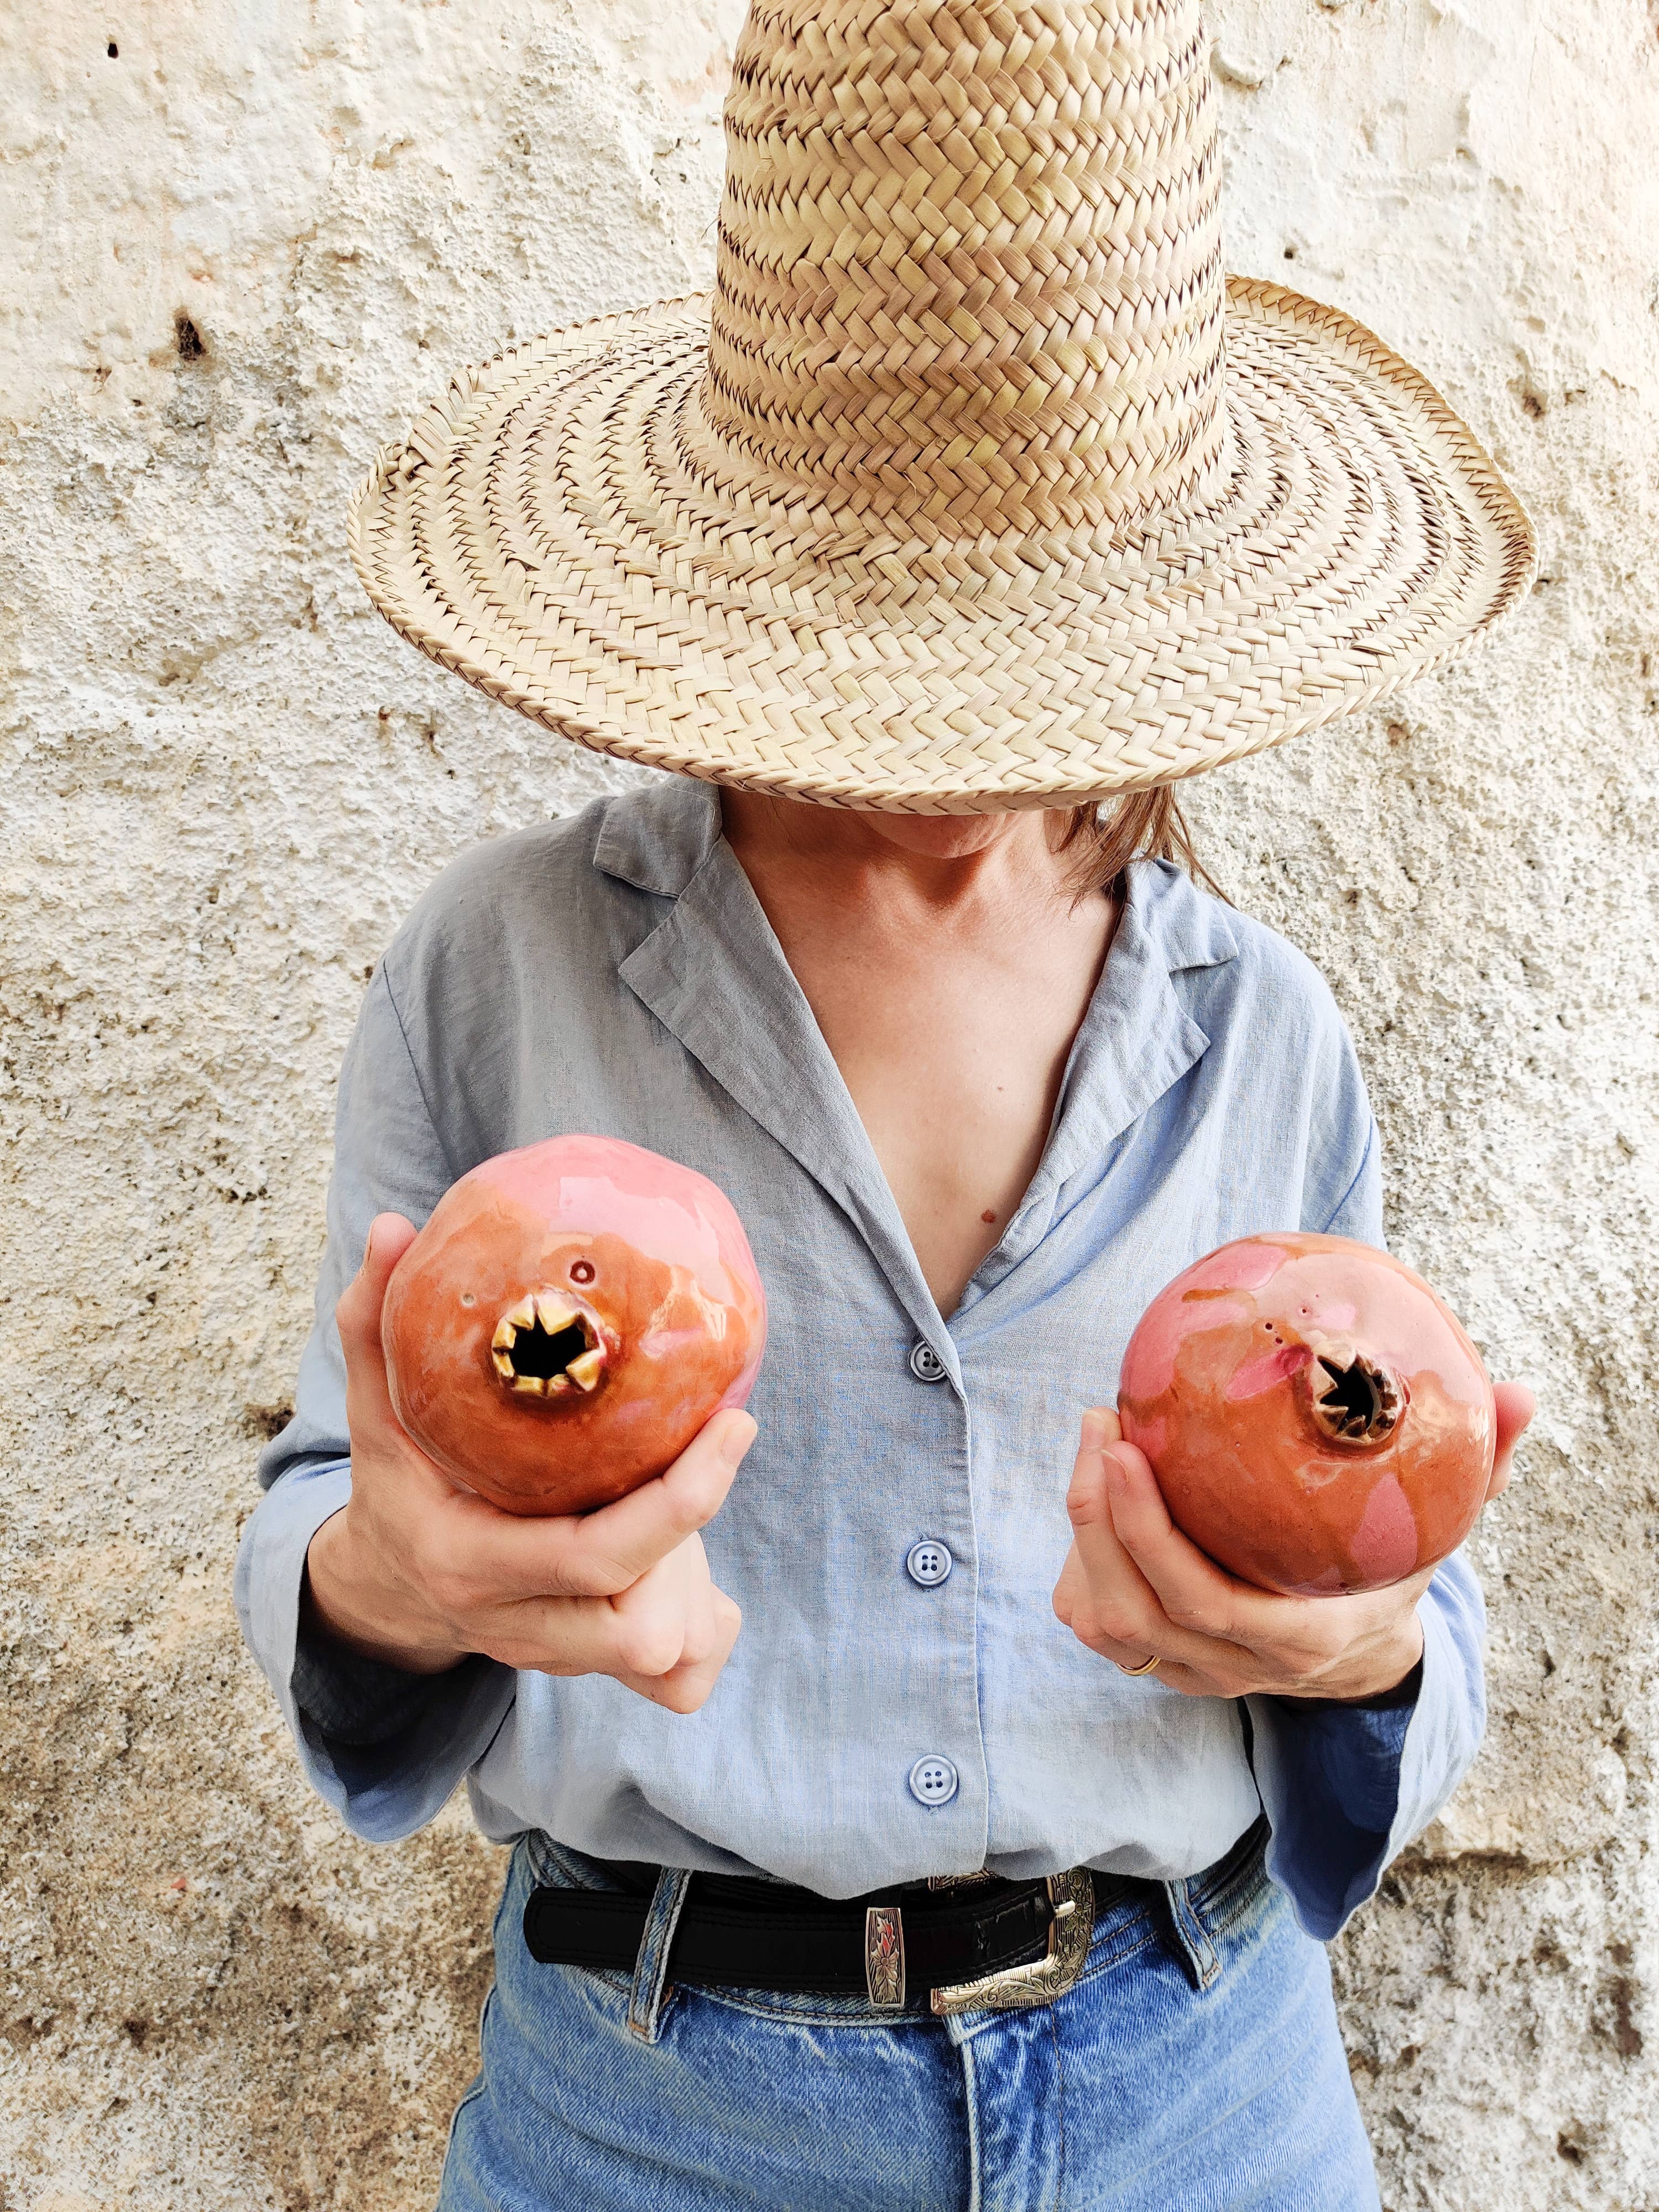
{"x":1345,"y":1788}
{"x":388,"y":1787}
{"x":407,"y":1740}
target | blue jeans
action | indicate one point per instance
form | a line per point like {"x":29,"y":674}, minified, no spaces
{"x":1196,"y":2066}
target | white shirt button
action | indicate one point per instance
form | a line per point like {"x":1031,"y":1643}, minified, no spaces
{"x":932,"y":1780}
{"x":928,"y":1562}
{"x":925,"y":1362}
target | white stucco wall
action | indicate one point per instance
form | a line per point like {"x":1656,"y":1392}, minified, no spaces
{"x":225,"y":779}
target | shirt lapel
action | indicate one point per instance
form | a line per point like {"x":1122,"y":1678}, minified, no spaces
{"x":713,"y":974}
{"x":1136,"y":1040}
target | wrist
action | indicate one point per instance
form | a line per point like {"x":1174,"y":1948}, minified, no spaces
{"x":340,"y":1598}
{"x":1392,"y":1672}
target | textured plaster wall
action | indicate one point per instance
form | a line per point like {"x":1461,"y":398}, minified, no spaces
{"x":239,"y":244}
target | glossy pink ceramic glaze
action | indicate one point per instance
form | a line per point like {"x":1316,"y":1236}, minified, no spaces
{"x":569,"y":1318}
{"x":1318,"y":1420}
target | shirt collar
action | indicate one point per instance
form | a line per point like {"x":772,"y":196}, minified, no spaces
{"x":657,"y":837}
{"x":1188,"y":928}
{"x":713,"y":974}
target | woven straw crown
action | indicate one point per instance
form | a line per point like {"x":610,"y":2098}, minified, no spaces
{"x":976,"y":482}
{"x":974,"y":275}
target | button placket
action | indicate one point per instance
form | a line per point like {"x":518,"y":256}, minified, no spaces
{"x":933,"y":1780}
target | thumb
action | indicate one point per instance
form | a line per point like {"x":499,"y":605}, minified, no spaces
{"x":1085,"y":1498}
{"x":357,"y":1317}
{"x":1516,"y":1406}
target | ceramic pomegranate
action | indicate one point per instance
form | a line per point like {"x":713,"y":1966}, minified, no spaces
{"x":569,"y":1318}
{"x":1316,"y":1419}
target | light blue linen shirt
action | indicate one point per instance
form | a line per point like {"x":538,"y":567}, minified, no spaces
{"x":615,"y":973}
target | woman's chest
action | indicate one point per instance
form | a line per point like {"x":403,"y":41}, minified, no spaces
{"x":952,"y":1060}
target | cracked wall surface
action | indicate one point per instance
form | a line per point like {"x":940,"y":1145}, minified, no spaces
{"x":240,"y":246}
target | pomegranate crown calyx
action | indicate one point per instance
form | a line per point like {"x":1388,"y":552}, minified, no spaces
{"x":1354,"y":1398}
{"x":547,"y":1345}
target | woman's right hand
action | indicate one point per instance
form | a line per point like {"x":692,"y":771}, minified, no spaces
{"x":418,"y":1572}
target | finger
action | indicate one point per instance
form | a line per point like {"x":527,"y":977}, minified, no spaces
{"x":635,"y":1643}
{"x":1216,"y":1621}
{"x":684,"y":1688}
{"x":701,"y":1631}
{"x":1191,"y":1591}
{"x":551,"y":1636}
{"x":483,"y":1558}
{"x":1516,"y":1406}
{"x":1103,"y":1590}
{"x":357,"y":1315}
{"x":1069,"y":1588}
{"x":641,"y":1634}
{"x":659,"y":1618}
{"x":1173,"y":1674}
{"x":1128,"y":1637}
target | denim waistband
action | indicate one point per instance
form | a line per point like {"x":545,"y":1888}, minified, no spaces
{"x":1189,"y":1915}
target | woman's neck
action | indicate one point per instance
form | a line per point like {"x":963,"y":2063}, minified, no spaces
{"x":938,"y":861}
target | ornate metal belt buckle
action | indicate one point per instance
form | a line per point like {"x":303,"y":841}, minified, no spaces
{"x":884,"y":1956}
{"x":1072,"y":1895}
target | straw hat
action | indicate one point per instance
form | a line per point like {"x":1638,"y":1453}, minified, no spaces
{"x":976,"y":482}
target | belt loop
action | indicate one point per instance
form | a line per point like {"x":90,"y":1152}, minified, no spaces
{"x":651,"y":1962}
{"x":1192,"y":1938}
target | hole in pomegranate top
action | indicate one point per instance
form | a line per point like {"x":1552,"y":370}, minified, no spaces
{"x":535,"y":1350}
{"x":543,"y":1347}
{"x":581,"y":1271}
{"x":1360,"y":1403}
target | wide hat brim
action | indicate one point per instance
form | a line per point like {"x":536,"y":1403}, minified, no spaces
{"x":556,"y":529}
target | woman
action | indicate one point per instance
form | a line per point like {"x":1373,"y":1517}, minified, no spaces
{"x":845,"y":1872}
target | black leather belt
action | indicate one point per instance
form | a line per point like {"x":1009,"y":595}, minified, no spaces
{"x":979,"y":1942}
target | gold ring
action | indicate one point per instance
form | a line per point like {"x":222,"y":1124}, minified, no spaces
{"x":1147,"y":1667}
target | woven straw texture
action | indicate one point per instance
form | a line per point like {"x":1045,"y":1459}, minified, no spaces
{"x":976,"y":482}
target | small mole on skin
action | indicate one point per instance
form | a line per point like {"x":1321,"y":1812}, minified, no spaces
{"x":988,"y":1215}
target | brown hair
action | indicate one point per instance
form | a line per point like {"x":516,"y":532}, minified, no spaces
{"x":1143,"y":825}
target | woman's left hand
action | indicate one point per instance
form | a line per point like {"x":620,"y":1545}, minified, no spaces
{"x":1134,"y":1588}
